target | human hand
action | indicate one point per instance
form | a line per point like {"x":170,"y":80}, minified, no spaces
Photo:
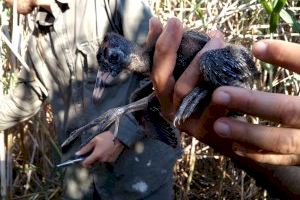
{"x":170,"y":92}
{"x":105,"y":149}
{"x":26,"y":6}
{"x":23,"y":7}
{"x":266,"y":144}
{"x":273,"y":144}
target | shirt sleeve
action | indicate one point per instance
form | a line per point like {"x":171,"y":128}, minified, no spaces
{"x":23,"y":102}
{"x":129,"y":130}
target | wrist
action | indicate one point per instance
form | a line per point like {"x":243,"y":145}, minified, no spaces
{"x":118,"y":142}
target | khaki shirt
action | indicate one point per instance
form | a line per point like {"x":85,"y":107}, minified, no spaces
{"x":62,"y":54}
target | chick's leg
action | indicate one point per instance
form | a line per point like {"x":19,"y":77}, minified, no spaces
{"x":189,"y":104}
{"x":112,"y":116}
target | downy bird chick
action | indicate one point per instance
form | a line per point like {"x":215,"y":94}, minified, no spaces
{"x":231,"y":65}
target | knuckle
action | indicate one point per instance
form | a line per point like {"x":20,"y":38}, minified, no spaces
{"x":156,"y":78}
{"x":97,"y":139}
{"x":161,"y":48}
{"x":285,"y":143}
{"x":249,"y":101}
{"x":259,"y":158}
{"x":178,"y":92}
{"x":110,"y":132}
{"x":288,"y":113}
{"x":293,"y":160}
{"x":243,"y":132}
{"x":278,"y":54}
{"x":100,"y":159}
{"x":93,"y":141}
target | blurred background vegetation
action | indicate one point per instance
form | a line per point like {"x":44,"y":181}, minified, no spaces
{"x":27,"y":168}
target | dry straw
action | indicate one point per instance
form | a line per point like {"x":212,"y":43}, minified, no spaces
{"x":28,"y":151}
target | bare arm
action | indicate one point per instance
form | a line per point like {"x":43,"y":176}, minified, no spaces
{"x":23,"y":102}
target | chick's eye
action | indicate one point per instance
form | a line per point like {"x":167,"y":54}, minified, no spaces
{"x":114,"y":57}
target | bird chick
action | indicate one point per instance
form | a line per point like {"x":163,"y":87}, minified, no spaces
{"x":117,"y":57}
{"x":231,"y":65}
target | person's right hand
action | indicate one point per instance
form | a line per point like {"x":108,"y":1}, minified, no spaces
{"x":105,"y":148}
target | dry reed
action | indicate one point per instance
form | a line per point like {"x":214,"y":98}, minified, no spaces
{"x":27,"y":169}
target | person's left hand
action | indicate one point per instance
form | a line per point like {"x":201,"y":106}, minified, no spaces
{"x":171,"y":92}
{"x":273,"y":145}
{"x":105,"y":149}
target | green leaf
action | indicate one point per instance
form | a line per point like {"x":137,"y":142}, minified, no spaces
{"x":274,"y":21}
{"x":289,"y":18}
{"x":296,"y":27}
{"x":267,"y":6}
{"x":286,"y":17}
{"x":279,"y":5}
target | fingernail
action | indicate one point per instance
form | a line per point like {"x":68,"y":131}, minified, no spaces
{"x":240,"y":153}
{"x":238,"y":149}
{"x":260,"y":48}
{"x":222,"y":98}
{"x":77,"y":153}
{"x":222,"y":129}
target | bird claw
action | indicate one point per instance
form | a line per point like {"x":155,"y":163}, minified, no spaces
{"x":117,"y":123}
{"x":111,"y":116}
{"x":176,"y":121}
{"x":188,"y":105}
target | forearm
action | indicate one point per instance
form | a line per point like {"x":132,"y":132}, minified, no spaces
{"x":24,"y":101}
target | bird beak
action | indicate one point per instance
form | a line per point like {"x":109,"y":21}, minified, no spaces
{"x":100,"y":85}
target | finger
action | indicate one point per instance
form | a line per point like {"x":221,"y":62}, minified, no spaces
{"x":91,"y":159}
{"x":269,"y":158}
{"x":273,"y":139}
{"x":155,"y":29}
{"x":276,"y":107}
{"x":278,"y":52}
{"x":215,"y":34}
{"x":191,"y":76}
{"x":86,"y":148}
{"x":164,"y":62}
